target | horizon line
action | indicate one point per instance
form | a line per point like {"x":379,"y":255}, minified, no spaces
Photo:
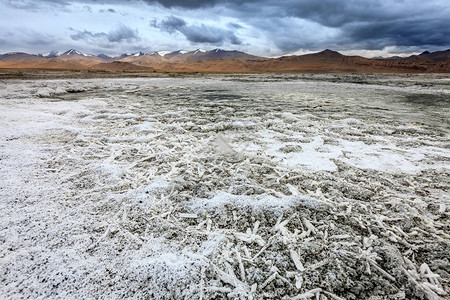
{"x":59,"y":53}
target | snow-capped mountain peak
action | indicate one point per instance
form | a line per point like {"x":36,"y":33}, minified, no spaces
{"x":199,"y":51}
{"x":50,"y":54}
{"x":162,"y":53}
{"x":75,"y":52}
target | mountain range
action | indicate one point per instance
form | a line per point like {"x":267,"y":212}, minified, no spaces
{"x":219,"y":60}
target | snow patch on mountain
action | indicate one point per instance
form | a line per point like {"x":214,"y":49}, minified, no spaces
{"x":199,"y":51}
{"x":162,"y":53}
{"x":76,"y":52}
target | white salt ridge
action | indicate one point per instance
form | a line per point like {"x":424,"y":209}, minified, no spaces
{"x":314,"y":155}
{"x":98,"y":209}
{"x":317,"y":156}
{"x":119,"y":116}
{"x":113,"y":173}
{"x":264,"y":202}
{"x":212,"y":245}
{"x":243,"y":124}
{"x":109,"y":116}
{"x":351,"y":121}
{"x":251,"y":147}
{"x":166,"y":272}
{"x":389,"y":158}
{"x":145,"y":127}
{"x":158,"y":185}
{"x":45,"y":92}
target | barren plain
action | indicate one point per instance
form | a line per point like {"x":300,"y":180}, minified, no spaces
{"x":225,"y":186}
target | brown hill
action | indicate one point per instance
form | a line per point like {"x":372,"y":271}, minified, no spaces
{"x":119,"y":66}
{"x":144,"y":59}
{"x":46,"y":64}
{"x":81,"y":58}
{"x":331,"y":61}
{"x":326,"y":61}
{"x":233,"y":61}
{"x":443,"y":56}
{"x":213,"y":55}
{"x":20,"y":57}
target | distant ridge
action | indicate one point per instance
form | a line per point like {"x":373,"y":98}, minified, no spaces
{"x":327,"y":53}
{"x":120,"y":66}
{"x":20,"y":57}
{"x":220,"y":60}
{"x":443,"y":56}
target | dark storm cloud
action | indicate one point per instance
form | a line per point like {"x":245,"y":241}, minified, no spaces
{"x":408,"y":33}
{"x":334,"y":13}
{"x":420,"y":34}
{"x":23,"y":38}
{"x":33,"y":4}
{"x":354,"y":24}
{"x":186,"y":4}
{"x":171,"y":24}
{"x":123,"y":33}
{"x":362,"y":23}
{"x":87,"y":9}
{"x":36,"y":6}
{"x":234,"y":25}
{"x":290,"y":35}
{"x":117,"y":35}
{"x":197,"y":33}
{"x":109,"y":10}
{"x":85,"y":35}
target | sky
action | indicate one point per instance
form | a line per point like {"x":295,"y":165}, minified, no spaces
{"x":261,"y":27}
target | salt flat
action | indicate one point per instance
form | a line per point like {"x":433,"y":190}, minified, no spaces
{"x":216,"y":186}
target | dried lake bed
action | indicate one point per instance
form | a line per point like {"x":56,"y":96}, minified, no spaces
{"x":226,"y":186}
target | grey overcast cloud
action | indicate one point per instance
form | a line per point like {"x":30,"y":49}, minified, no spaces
{"x":260,"y":27}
